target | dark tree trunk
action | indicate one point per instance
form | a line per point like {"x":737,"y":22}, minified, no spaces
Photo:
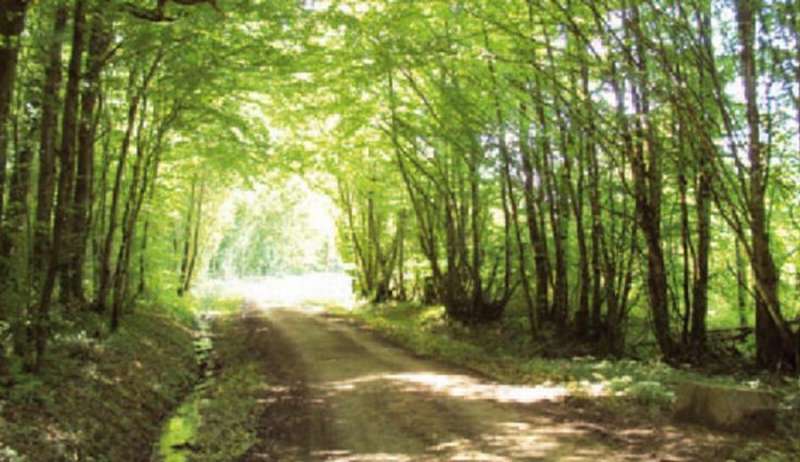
{"x":686,"y":251}
{"x":541,"y":264}
{"x":700,"y":286}
{"x":67,"y":151}
{"x":598,"y":241}
{"x":105,"y":282}
{"x":12,"y":23}
{"x":776,"y":346}
{"x":187,"y":240}
{"x":646,"y":168}
{"x":64,"y":198}
{"x":187,"y":283}
{"x":47,"y":140}
{"x":81,"y":226}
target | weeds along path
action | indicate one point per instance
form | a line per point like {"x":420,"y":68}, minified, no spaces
{"x":331,"y":391}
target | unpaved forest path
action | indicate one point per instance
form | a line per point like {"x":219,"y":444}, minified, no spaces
{"x":338,"y":393}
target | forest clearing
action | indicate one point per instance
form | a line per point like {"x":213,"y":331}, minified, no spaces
{"x":399,"y":230}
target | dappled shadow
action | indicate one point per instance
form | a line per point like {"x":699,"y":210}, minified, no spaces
{"x":354,"y":398}
{"x":465,"y":387}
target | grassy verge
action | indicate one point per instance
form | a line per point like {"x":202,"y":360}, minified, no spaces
{"x":229,"y":404}
{"x":101,"y":400}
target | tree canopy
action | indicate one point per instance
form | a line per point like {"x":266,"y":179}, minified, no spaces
{"x":597,"y":168}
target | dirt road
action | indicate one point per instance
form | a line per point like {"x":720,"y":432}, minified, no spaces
{"x":337,"y":393}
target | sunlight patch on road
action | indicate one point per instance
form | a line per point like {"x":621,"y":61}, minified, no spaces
{"x":465,"y":387}
{"x":346,"y":456}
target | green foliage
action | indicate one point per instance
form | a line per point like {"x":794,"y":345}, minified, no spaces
{"x":228,"y":412}
{"x":284,"y":229}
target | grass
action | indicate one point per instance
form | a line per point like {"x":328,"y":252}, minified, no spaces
{"x":101,"y":400}
{"x":229,"y":403}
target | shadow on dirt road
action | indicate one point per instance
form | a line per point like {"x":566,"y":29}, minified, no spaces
{"x":336,"y":393}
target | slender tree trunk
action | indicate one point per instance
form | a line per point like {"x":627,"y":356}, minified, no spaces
{"x":80,"y":222}
{"x":577,"y":194}
{"x":598,"y":241}
{"x":700,"y":287}
{"x":68,"y":147}
{"x":102,"y":192}
{"x":47,"y":140}
{"x":541,"y":265}
{"x":741,"y":286}
{"x":129,"y":216}
{"x":533,"y":318}
{"x":401,"y":264}
{"x":187,"y":284}
{"x":12,"y":23}
{"x":187,"y":239}
{"x":136,"y":93}
{"x":66,"y":156}
{"x":142,"y":288}
{"x":105,"y":251}
{"x":776,"y":347}
{"x":686,"y":253}
{"x":16,"y":218}
{"x":646,"y":168}
{"x":478,"y":302}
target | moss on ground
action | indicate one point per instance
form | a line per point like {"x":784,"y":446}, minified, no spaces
{"x":101,"y":400}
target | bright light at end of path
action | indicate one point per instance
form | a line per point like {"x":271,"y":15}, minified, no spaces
{"x":313,"y":289}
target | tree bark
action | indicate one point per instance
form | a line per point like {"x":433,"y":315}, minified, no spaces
{"x":80,"y":220}
{"x":64,"y":197}
{"x":47,"y":140}
{"x":68,"y":151}
{"x":187,"y":239}
{"x":646,"y":168}
{"x":136,"y":95}
{"x":541,"y":264}
{"x":775,"y":344}
{"x":12,"y":24}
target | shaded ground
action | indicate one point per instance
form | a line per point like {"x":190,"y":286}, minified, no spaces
{"x":100,"y":400}
{"x":337,"y":393}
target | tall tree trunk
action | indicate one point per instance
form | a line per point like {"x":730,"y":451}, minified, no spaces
{"x":700,"y":286}
{"x":80,"y":220}
{"x":101,"y":189}
{"x":138,"y":182}
{"x":679,"y":131}
{"x":577,"y":199}
{"x":646,"y":168}
{"x":187,"y":283}
{"x":142,"y":288}
{"x":478,"y":302}
{"x":47,"y":141}
{"x":108,"y":241}
{"x":541,"y":264}
{"x":742,"y":284}
{"x":12,"y":23}
{"x":776,"y":347}
{"x":68,"y":150}
{"x":187,"y":239}
{"x":64,"y":197}
{"x":16,"y":218}
{"x":598,"y":242}
{"x":533,"y":315}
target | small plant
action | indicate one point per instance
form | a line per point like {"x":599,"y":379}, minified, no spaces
{"x":650,"y":393}
{"x":9,"y":455}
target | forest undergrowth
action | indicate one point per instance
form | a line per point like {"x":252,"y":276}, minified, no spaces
{"x":101,"y":399}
